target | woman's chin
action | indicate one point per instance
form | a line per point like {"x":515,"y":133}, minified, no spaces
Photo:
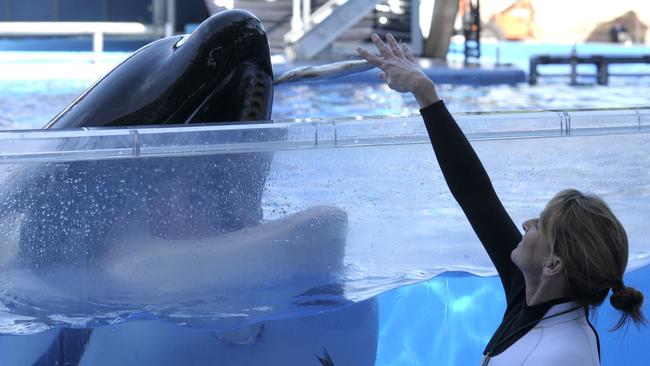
{"x":514,"y":255}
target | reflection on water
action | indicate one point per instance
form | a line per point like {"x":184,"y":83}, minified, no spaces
{"x":302,"y":101}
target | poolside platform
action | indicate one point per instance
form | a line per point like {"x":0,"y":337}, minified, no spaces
{"x":439,"y":73}
{"x":601,"y":62}
{"x":83,"y":64}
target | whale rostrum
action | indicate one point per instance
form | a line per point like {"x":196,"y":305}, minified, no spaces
{"x":325,"y":71}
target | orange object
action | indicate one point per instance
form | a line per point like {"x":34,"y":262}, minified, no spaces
{"x":516,"y":21}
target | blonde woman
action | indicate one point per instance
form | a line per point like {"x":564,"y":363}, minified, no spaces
{"x":566,"y":262}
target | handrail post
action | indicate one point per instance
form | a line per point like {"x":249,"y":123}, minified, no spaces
{"x":574,"y":66}
{"x":306,"y":14}
{"x":416,"y":33}
{"x":296,"y":19}
{"x":532,"y":71}
{"x":98,"y":45}
{"x":170,"y":23}
{"x":602,"y":69}
{"x":158,"y":11}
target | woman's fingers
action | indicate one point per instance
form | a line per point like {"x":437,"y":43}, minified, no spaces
{"x":372,"y":59}
{"x":394,"y":47}
{"x":407,"y":52}
{"x":383,"y":49}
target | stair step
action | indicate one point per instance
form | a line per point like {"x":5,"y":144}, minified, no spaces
{"x":276,"y":17}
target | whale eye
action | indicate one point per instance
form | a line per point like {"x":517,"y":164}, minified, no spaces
{"x":182,"y":41}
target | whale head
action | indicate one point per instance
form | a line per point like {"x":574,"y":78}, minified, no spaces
{"x":221,"y":72}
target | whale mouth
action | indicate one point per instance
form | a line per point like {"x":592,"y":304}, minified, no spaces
{"x":244,"y":94}
{"x":255,"y":98}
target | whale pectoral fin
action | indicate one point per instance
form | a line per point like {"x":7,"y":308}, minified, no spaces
{"x":67,"y":347}
{"x":308,"y":243}
{"x":241,"y":337}
{"x":9,"y":238}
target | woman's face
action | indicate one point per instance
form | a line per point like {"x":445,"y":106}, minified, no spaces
{"x":533,"y":250}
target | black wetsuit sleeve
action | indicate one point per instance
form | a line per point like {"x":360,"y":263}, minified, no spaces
{"x":472,"y":189}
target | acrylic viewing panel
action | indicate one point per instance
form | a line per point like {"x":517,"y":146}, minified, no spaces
{"x":265,"y":216}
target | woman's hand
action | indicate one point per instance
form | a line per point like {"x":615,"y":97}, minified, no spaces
{"x":400,"y":71}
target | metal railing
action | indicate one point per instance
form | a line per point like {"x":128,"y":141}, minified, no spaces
{"x":163,"y":17}
{"x":116,"y":143}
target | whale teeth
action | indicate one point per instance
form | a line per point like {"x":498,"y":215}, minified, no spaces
{"x":254,"y":100}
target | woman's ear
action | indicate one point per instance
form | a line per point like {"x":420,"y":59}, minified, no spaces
{"x":553,"y":266}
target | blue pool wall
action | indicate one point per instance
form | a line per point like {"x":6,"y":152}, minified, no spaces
{"x":449,"y":319}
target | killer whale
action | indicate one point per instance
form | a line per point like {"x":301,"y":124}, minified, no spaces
{"x":75,"y":213}
{"x":219,"y":73}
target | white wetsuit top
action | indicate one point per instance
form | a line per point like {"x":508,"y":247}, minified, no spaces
{"x":565,"y":339}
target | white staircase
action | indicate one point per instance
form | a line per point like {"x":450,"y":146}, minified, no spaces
{"x":324,"y":26}
{"x":334,"y":29}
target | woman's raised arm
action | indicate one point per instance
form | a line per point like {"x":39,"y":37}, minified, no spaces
{"x":465,"y":176}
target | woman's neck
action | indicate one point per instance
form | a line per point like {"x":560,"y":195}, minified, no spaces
{"x":539,"y":290}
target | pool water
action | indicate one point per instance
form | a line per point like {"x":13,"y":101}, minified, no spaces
{"x":35,"y":86}
{"x":445,"y":320}
{"x":28,"y":104}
